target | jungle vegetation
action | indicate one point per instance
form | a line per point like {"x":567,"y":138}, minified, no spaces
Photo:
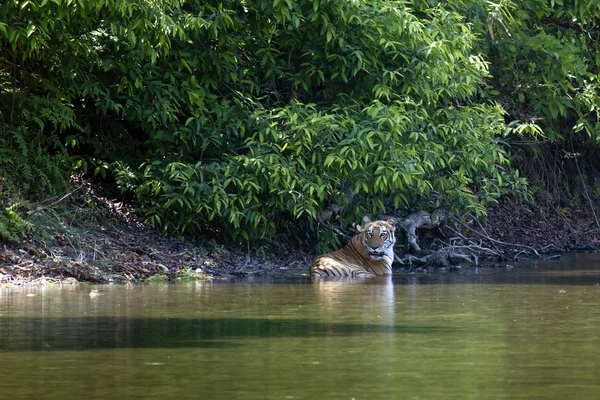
{"x":255,"y":116}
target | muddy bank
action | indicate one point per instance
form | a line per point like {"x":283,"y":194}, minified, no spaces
{"x":90,"y":238}
{"x":118,"y":252}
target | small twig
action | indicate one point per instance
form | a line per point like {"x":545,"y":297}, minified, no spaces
{"x":410,"y":258}
{"x":561,"y":215}
{"x":57,"y":201}
{"x":460,"y":235}
{"x":585,"y":190}
{"x":472,"y":247}
{"x":398,"y":258}
{"x":516,"y":257}
{"x":484,"y":231}
{"x":334,"y":229}
{"x":14,"y":93}
{"x":549,"y":246}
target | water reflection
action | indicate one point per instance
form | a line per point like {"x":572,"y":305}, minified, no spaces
{"x":225,"y":315}
{"x":527,"y":332}
{"x":51,"y":334}
{"x":373,"y":298}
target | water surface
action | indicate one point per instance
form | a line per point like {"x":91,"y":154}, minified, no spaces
{"x":530,"y":330}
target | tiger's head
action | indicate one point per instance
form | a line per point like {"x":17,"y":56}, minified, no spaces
{"x":379,"y":237}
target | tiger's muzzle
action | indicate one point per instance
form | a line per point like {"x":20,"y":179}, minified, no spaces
{"x":376,"y":254}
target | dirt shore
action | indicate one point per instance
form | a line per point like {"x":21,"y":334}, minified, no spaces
{"x":544,"y":226}
{"x":120,"y":253}
{"x":89,"y":238}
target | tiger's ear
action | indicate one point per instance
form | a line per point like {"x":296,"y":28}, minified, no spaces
{"x":393,"y":222}
{"x":366,"y":220}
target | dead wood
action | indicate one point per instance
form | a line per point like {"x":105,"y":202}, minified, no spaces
{"x":486,"y":237}
{"x":468,"y":244}
{"x":421,"y":219}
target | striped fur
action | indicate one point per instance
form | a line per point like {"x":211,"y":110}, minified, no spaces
{"x":368,"y":254}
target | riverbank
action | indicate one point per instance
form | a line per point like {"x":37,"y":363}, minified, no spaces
{"x":87,"y":237}
{"x":116,"y":252}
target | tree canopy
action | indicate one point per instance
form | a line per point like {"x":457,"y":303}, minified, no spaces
{"x":256,"y":115}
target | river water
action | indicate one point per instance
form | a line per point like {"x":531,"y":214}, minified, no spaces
{"x":527,"y":332}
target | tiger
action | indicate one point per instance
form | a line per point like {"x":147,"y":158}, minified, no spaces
{"x":368,"y":254}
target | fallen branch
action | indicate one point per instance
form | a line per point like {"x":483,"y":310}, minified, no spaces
{"x":484,"y":231}
{"x":486,"y":237}
{"x":473,"y":248}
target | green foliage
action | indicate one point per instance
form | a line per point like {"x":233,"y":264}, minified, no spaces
{"x":544,"y":59}
{"x":155,"y":279}
{"x":256,"y":115}
{"x":29,"y":167}
{"x":187,"y":274}
{"x":366,"y":95}
{"x":12,"y":225}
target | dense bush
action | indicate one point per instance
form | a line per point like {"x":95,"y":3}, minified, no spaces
{"x":544,"y":60}
{"x":258,"y":114}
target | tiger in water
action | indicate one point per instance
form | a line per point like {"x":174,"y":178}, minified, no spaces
{"x":369,"y":254}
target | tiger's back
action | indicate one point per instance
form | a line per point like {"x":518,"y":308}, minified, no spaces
{"x":368,"y":254}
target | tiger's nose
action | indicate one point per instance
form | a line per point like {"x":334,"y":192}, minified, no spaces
{"x":374,"y":248}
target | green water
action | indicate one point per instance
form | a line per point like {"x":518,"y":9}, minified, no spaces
{"x":528,"y":332}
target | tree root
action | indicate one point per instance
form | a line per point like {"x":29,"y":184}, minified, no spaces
{"x":485,"y":236}
{"x":468,"y":245}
